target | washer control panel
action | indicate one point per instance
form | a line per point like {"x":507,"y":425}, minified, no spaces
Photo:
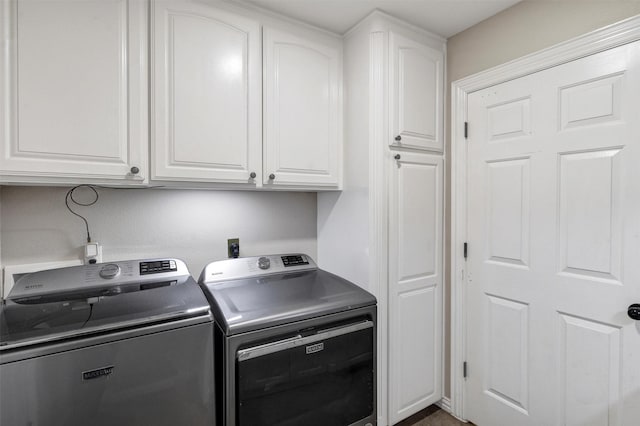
{"x":245,"y":267}
{"x":98,"y":275}
{"x":157,"y":266}
{"x":295,"y":260}
{"x":110,"y":271}
{"x":264,"y":262}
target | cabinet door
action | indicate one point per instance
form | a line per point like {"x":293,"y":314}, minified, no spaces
{"x":302,"y":110}
{"x":73,"y":91}
{"x":416,"y":94}
{"x":415,"y":284}
{"x":207,"y":94}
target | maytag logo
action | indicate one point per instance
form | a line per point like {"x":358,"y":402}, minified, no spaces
{"x":312,"y":349}
{"x":99,"y":372}
{"x":32,"y":286}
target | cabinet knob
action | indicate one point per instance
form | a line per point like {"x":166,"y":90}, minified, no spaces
{"x":398,"y":138}
{"x":397,"y":156}
{"x":272,"y":176}
{"x":252,"y":175}
{"x":135,"y":170}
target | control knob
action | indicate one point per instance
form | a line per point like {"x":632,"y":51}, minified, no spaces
{"x":110,"y":271}
{"x":264,"y":263}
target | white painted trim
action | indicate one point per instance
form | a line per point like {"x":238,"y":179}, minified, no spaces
{"x":445,"y":223}
{"x":444,"y":404}
{"x":377,"y":13}
{"x":591,"y":43}
{"x":247,"y":5}
{"x":379,"y":211}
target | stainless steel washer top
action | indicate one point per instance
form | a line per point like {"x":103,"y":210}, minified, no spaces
{"x":252,"y":293}
{"x":65,"y":303}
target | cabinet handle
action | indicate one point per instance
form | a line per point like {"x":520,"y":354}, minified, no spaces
{"x":252,"y":175}
{"x":398,"y":138}
{"x":135,"y":170}
{"x":272,"y":176}
{"x":397,"y":156}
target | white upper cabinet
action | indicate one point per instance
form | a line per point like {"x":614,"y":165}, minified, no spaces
{"x":73,"y":91}
{"x":206,"y":122}
{"x":416,"y":92}
{"x":302,"y":111}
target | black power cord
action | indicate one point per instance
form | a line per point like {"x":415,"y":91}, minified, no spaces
{"x":89,"y":317}
{"x":70,"y":198}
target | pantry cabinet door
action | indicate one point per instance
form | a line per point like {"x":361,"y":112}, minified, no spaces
{"x":415,"y":283}
{"x":73,"y":91}
{"x":416,"y":92}
{"x":206,"y":122}
{"x":302,"y":110}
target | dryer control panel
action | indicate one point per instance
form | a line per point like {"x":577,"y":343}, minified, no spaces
{"x":246,"y":267}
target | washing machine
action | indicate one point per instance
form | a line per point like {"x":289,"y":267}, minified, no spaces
{"x":121,"y":343}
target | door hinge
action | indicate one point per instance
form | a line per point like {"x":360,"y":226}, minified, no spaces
{"x":466,"y":130}
{"x":464,"y":369}
{"x":464,"y":250}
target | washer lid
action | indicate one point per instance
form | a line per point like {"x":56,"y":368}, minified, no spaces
{"x":71,"y":302}
{"x":265,"y":300}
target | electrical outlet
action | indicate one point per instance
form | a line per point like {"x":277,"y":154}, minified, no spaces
{"x":233,"y":247}
{"x":92,"y":253}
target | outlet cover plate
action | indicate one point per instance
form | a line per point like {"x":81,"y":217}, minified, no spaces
{"x":232,"y":241}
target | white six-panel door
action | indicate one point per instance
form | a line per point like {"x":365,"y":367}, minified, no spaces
{"x":554,"y":246}
{"x":207,"y":120}
{"x":415,"y":284}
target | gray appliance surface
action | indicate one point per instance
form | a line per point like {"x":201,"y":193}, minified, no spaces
{"x":126,"y":343}
{"x":229,"y":350}
{"x":159,"y":378}
{"x":252,"y":293}
{"x":70,"y":302}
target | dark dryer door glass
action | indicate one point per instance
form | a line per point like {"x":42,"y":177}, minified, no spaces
{"x":320,"y":379}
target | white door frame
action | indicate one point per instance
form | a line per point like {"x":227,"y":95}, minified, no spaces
{"x":624,"y":32}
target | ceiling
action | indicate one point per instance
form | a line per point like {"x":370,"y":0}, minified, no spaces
{"x":443,"y":17}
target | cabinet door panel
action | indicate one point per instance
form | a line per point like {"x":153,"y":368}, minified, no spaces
{"x":415,"y":284}
{"x":416,"y":94}
{"x":74,"y":89}
{"x":302,"y":111}
{"x":207,"y":94}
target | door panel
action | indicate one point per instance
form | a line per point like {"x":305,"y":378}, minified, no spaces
{"x":302,"y":111}
{"x":207,"y":119}
{"x":554,"y":243}
{"x":73,"y":93}
{"x":415,"y":284}
{"x":507,"y":368}
{"x":416,"y":94}
{"x":589,"y":372}
{"x":508,"y":211}
{"x":590,"y":199}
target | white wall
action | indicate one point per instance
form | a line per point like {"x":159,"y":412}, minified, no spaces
{"x":343,"y":217}
{"x":142,"y":223}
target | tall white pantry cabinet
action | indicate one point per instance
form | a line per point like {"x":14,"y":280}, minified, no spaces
{"x":384,"y":230}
